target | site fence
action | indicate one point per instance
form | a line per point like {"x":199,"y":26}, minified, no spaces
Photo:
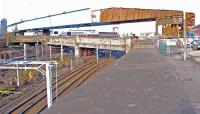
{"x":170,"y":46}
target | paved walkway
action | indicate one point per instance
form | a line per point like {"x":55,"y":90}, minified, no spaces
{"x":188,"y":75}
{"x":142,"y":82}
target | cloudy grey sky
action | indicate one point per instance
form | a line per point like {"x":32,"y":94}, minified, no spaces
{"x":15,"y":10}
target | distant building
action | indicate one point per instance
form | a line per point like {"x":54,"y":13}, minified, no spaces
{"x":15,"y":29}
{"x":196,"y":30}
{"x":3,"y":26}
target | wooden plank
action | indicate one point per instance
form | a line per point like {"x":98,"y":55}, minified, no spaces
{"x":129,"y":14}
{"x":115,"y":14}
{"x":103,"y":16}
{"x":189,"y":15}
{"x":174,"y":13}
{"x":144,"y":13}
{"x":133,"y":11}
{"x":156,"y":13}
{"x":163,"y":13}
{"x":122,"y":15}
{"x":148,"y":15}
{"x":170,"y":13}
{"x":167,"y":13}
{"x":190,"y":22}
{"x":153,"y":13}
{"x":140,"y":14}
{"x":180,"y":13}
{"x":136,"y":13}
{"x":109,"y":15}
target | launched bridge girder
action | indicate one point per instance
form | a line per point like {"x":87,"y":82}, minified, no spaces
{"x":170,"y":20}
{"x":110,"y":16}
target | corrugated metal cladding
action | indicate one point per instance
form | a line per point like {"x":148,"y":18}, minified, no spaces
{"x":123,"y":14}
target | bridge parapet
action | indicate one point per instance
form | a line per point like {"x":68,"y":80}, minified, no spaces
{"x":29,"y":39}
{"x":89,"y":42}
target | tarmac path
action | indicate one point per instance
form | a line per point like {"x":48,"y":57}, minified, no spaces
{"x":142,"y":82}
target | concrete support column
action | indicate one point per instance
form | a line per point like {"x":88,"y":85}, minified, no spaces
{"x":7,"y":41}
{"x":49,"y":84}
{"x":156,"y":29}
{"x":61,"y":51}
{"x":85,"y":51}
{"x":71,"y":64}
{"x":17,"y":75}
{"x":77,"y":51}
{"x":10,"y":54}
{"x":42,"y":48}
{"x":4,"y":56}
{"x":125,"y":46}
{"x":97,"y":54}
{"x":25,"y":52}
{"x":46,"y":49}
{"x":36,"y":50}
{"x":50,"y":52}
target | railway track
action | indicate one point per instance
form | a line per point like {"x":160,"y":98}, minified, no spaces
{"x":29,"y":90}
{"x":38,"y":89}
{"x":36,"y":102}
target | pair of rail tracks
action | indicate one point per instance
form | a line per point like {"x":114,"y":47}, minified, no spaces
{"x":36,"y":101}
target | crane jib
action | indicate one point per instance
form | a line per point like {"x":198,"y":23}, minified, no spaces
{"x":47,"y":16}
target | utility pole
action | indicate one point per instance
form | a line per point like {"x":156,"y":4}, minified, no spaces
{"x":184,"y":39}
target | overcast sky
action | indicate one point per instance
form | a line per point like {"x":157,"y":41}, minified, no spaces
{"x":15,"y":10}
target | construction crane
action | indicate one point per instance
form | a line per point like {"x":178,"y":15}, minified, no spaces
{"x":23,"y":21}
